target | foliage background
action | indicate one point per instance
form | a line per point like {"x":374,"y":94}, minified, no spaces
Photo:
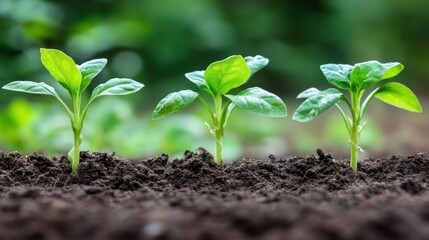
{"x":157,"y":41}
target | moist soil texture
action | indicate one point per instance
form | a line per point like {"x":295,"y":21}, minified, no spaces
{"x":312,"y":197}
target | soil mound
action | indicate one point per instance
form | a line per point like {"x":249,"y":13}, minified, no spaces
{"x":312,"y":197}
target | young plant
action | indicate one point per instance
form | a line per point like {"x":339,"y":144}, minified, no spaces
{"x":75,"y":79}
{"x":217,"y":80}
{"x":356,"y":79}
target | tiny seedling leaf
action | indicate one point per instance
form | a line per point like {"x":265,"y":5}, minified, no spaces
{"x":256,"y":63}
{"x":31,"y":87}
{"x":392,"y":69}
{"x":337,"y":74}
{"x":62,"y":68}
{"x":308,"y":93}
{"x":197,"y":77}
{"x":174,"y":102}
{"x":398,"y":95}
{"x":116,"y":86}
{"x":224,"y":75}
{"x":89,"y":70}
{"x":366,"y":74}
{"x":316,"y":104}
{"x":259,"y":101}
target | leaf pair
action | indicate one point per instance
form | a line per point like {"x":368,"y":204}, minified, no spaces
{"x":360,"y":76}
{"x":74,"y":78}
{"x":115,"y":86}
{"x":356,"y":79}
{"x":218,"y":79}
{"x":220,"y":76}
{"x":254,"y":100}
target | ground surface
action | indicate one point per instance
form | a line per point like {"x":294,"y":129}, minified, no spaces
{"x":313,"y":197}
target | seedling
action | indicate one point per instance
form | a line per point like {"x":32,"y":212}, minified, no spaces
{"x":356,"y":79}
{"x":217,"y":80}
{"x":75,"y":79}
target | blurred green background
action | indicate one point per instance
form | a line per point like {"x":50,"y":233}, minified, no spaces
{"x":157,"y":41}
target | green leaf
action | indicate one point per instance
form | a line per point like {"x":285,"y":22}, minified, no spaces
{"x":392,"y":69}
{"x":62,"y":68}
{"x":36,"y":88}
{"x":316,"y":104}
{"x":174,"y":102}
{"x":308,"y":93}
{"x":89,"y":70}
{"x":197,"y":77}
{"x":31,"y":87}
{"x":224,"y":75}
{"x":116,"y":86}
{"x":366,"y":74}
{"x":259,"y":101}
{"x":337,"y":74}
{"x":398,"y":95}
{"x":256,"y":63}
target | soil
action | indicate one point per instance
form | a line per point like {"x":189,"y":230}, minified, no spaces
{"x":312,"y":197}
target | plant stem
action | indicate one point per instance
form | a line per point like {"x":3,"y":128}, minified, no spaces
{"x":218,"y":156}
{"x":354,"y":148}
{"x":77,"y":137}
{"x":218,"y":128}
{"x":354,"y":131}
{"x":76,"y":152}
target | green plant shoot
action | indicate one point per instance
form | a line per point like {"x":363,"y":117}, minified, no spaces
{"x":356,"y":79}
{"x":217,"y":80}
{"x":75,"y":79}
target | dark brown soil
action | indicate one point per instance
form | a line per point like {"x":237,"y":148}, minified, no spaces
{"x":313,"y":197}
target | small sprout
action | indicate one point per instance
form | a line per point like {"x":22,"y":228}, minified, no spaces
{"x":356,"y":79}
{"x":75,"y":79}
{"x":217,"y":80}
